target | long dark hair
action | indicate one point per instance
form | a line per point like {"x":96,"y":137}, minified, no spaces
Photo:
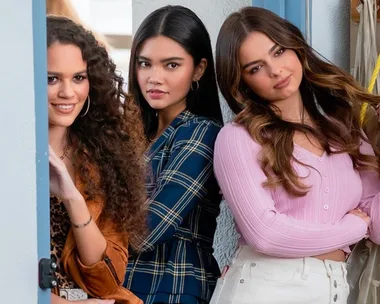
{"x":109,"y":137}
{"x":183,"y":26}
{"x":329,"y":96}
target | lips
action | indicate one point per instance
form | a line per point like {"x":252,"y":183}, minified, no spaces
{"x":64,"y":108}
{"x":282,"y":83}
{"x":156,"y":94}
{"x":155,"y":91}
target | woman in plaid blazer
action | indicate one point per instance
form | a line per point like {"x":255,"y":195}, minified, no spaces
{"x":173,"y":80}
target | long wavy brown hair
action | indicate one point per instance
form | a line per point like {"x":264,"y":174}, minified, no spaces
{"x":331,"y":98}
{"x":110,"y":137}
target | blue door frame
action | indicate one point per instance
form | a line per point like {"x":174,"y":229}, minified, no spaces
{"x":295,"y":11}
{"x":41,"y":129}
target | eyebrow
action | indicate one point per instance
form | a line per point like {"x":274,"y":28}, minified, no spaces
{"x":257,"y":61}
{"x":59,"y":74}
{"x":163,"y":60}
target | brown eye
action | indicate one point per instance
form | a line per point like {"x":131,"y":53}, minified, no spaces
{"x":173,"y":65}
{"x":143,"y":64}
{"x":279,"y":52}
{"x":79,"y":78}
{"x":256,"y":69}
{"x":52,"y":79}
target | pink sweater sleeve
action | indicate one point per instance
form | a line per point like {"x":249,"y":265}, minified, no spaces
{"x":370,"y":201}
{"x":240,"y":177}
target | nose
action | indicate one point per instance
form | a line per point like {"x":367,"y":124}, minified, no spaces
{"x":275,"y":70}
{"x":66,"y":90}
{"x":155,"y":77}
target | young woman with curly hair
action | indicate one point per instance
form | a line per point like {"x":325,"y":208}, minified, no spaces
{"x":295,"y":167}
{"x":96,"y":144}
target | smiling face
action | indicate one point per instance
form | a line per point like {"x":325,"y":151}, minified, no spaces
{"x":68,"y":84}
{"x":165,"y":72}
{"x":269,"y":70}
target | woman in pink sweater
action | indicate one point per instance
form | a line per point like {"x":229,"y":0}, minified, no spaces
{"x":297,"y":171}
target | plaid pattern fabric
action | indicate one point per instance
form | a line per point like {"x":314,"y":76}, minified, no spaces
{"x":177,"y":265}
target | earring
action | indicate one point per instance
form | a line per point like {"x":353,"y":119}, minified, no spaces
{"x":88,"y":106}
{"x":191,"y":87}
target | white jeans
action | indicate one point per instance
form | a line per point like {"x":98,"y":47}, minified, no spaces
{"x":254,"y":278}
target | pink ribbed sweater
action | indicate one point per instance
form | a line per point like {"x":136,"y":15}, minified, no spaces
{"x":278,"y":224}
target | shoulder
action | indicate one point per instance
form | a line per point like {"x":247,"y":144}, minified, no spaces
{"x":235,"y":135}
{"x":232,"y":128}
{"x":198,"y":128}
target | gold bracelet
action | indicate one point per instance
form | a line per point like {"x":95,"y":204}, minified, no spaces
{"x":82,"y":225}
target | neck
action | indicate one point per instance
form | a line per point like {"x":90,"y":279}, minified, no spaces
{"x":166,"y":116}
{"x":58,"y":139}
{"x":291,"y":109}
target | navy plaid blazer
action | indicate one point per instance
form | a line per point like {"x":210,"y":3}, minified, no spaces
{"x":177,"y":263}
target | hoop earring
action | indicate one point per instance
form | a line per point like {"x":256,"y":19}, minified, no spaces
{"x":191,"y":87}
{"x":88,"y":106}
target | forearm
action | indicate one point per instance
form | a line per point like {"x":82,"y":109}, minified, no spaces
{"x":370,"y":200}
{"x":374,"y":213}
{"x":89,"y":240}
{"x":285,"y":237}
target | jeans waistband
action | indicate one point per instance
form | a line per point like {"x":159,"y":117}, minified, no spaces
{"x":246,"y":254}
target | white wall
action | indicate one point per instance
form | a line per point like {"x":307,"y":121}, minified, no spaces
{"x":211,"y":12}
{"x":330,"y":30}
{"x":109,"y":18}
{"x":18,"y":225}
{"x":105,"y":16}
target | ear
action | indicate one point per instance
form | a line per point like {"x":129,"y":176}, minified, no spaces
{"x":200,"y":69}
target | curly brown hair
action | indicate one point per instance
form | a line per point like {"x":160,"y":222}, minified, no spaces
{"x":109,"y":137}
{"x":330,"y":97}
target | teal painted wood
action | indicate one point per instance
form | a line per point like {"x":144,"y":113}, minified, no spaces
{"x":41,"y":129}
{"x":293,"y":10}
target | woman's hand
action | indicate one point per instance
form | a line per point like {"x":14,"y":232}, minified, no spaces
{"x":364,"y":216}
{"x":61,"y":184}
